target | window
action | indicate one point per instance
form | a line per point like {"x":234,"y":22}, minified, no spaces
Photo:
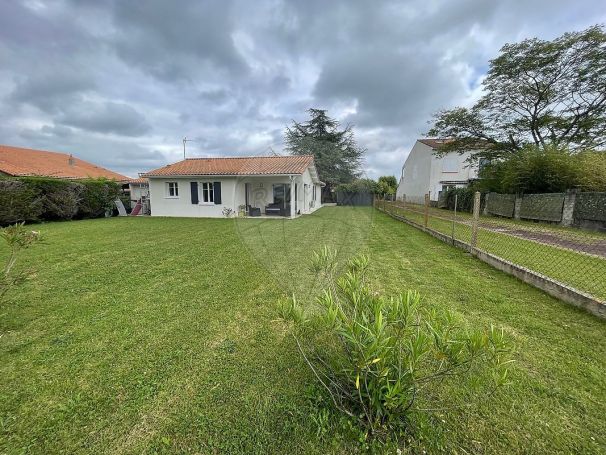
{"x":450,"y":163}
{"x":281,"y":194}
{"x":208,"y":192}
{"x":172,"y":189}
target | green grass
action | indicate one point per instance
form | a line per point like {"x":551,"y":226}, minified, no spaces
{"x":581,"y":271}
{"x":144,"y":335}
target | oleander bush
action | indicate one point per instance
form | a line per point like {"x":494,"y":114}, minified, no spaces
{"x":377,"y":356}
{"x":16,"y":238}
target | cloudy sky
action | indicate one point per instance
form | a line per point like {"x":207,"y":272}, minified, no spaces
{"x":120,"y":83}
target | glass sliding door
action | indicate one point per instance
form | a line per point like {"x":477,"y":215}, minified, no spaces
{"x":281,"y":194}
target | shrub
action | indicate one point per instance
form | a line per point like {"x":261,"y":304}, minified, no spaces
{"x":17,"y":238}
{"x":58,"y":199}
{"x":545,"y":170}
{"x":360,"y":185}
{"x":45,"y":199}
{"x":376,"y":355}
{"x":18,"y":202}
{"x":97,"y":197}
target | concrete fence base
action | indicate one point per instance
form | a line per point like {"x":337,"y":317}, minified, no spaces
{"x":550,"y":286}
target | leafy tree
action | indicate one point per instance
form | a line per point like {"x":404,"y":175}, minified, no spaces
{"x":337,"y":155}
{"x":388,"y":185}
{"x":536,"y":92}
{"x":547,"y":169}
{"x":360,"y":185}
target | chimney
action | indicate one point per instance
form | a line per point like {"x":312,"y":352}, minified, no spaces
{"x":71,"y":160}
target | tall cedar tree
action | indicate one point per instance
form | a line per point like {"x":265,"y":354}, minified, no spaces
{"x":536,"y":92}
{"x":336,"y":153}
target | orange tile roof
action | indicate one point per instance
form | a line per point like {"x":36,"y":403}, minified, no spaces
{"x":139,"y":180}
{"x":434,"y":143}
{"x":249,"y":165}
{"x":22,"y":162}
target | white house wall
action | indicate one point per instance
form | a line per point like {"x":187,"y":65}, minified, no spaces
{"x":424,"y":172}
{"x":414,"y":182}
{"x":232,"y":195}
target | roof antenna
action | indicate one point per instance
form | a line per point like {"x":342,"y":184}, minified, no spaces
{"x":185,"y":140}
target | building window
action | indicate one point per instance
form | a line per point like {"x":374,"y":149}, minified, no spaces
{"x":281,"y":194}
{"x":450,"y":163}
{"x":172,"y":189}
{"x":208,"y":192}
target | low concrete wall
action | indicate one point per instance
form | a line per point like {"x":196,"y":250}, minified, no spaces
{"x":550,"y":286}
{"x":572,"y":208}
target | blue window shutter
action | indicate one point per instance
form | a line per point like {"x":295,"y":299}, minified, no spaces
{"x":194,"y":192}
{"x":217,"y":191}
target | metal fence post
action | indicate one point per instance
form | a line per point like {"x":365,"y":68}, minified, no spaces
{"x":426,"y":210}
{"x":476,"y":217}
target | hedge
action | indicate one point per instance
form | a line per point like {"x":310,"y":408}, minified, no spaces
{"x":34,"y":199}
{"x":464,"y":198}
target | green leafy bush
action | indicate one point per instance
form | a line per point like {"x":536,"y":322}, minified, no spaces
{"x":97,"y":196}
{"x":359,"y":185}
{"x":376,"y":355}
{"x":46,"y":199}
{"x":463,"y":197}
{"x":18,"y":202}
{"x":548,"y":169}
{"x":16,"y":238}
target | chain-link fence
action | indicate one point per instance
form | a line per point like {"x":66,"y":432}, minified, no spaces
{"x":536,"y":233}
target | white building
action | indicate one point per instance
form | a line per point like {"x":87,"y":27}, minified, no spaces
{"x":424,"y":172}
{"x":249,"y":186}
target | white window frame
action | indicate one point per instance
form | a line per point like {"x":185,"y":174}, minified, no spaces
{"x":175,"y":190}
{"x":210,"y":191}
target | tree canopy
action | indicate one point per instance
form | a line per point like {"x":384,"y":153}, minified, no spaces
{"x":336,"y":153}
{"x":387,"y":185}
{"x":536,"y":92}
{"x":548,"y":169}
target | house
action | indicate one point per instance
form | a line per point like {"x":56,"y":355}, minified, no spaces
{"x":138,"y":190}
{"x":23,"y":162}
{"x":424,"y":172}
{"x":251,"y":186}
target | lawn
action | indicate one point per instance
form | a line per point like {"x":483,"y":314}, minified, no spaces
{"x":144,"y":335}
{"x":581,"y":271}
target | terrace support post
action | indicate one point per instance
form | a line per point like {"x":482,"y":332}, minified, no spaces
{"x":476,"y":218}
{"x":293,"y":196}
{"x":568,"y":208}
{"x":426,"y":218}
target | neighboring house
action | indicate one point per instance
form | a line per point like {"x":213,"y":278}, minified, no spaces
{"x":22,"y":162}
{"x":423,"y":172}
{"x":253,"y":186}
{"x":138,"y":190}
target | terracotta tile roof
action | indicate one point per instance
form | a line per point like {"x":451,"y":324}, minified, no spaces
{"x":434,"y":143}
{"x":250,"y":165}
{"x":22,"y":162}
{"x":139,"y":180}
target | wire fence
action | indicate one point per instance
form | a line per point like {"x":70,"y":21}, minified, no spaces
{"x":573,"y":257}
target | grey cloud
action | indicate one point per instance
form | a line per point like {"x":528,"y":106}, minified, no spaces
{"x":177,"y":40}
{"x":106,"y":117}
{"x":120,"y":83}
